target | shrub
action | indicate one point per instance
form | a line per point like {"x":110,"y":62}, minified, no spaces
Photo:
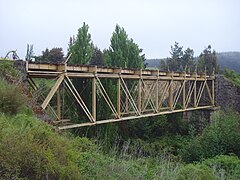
{"x":192,"y":151}
{"x":30,"y":149}
{"x":223,"y":165}
{"x":11,"y":98}
{"x":7,"y":68}
{"x":222,"y":136}
{"x":233,"y":76}
{"x":197,"y":171}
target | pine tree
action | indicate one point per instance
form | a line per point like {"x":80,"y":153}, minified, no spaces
{"x":81,"y":47}
{"x":208,"y":61}
{"x":123,"y":52}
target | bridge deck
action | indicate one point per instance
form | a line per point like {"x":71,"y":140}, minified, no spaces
{"x":53,"y":70}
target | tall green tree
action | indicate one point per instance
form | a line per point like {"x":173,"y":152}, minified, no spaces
{"x":55,"y":55}
{"x":176,"y":57}
{"x":188,"y":62}
{"x":123,"y":52}
{"x":208,"y":61}
{"x":180,"y":59}
{"x":81,"y":47}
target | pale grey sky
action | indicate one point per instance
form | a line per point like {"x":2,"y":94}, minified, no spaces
{"x":153,"y":24}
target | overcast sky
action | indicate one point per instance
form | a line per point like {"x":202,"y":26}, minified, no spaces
{"x":153,"y":24}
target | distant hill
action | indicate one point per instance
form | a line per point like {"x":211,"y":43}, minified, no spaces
{"x":153,"y":63}
{"x":229,"y":60}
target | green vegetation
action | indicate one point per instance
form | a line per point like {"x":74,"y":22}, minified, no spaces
{"x":180,"y":60}
{"x":81,"y":47}
{"x":123,"y":51}
{"x":6,"y":69}
{"x":220,"y":137}
{"x":207,"y":61}
{"x":10,"y":98}
{"x":30,"y":149}
{"x":233,"y":76}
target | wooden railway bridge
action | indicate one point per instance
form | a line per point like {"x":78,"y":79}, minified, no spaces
{"x":136,"y":93}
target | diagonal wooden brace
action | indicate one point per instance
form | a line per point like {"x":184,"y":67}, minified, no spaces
{"x":52,"y":92}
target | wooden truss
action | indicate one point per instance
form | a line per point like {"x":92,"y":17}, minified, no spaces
{"x":139,"y":93}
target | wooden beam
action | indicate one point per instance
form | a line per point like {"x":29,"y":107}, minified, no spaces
{"x":213,"y":93}
{"x":139,"y":104}
{"x":119,"y":97}
{"x":130,"y":118}
{"x":58,"y":104}
{"x":53,"y":91}
{"x":184,"y":94}
{"x":170,"y":95}
{"x":195,"y":94}
{"x":94,"y":99}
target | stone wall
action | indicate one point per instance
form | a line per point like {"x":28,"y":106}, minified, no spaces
{"x":227,"y":94}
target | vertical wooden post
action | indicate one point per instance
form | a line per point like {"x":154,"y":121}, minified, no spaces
{"x":139,"y":95}
{"x":213,"y":95}
{"x":157,"y":94}
{"x":119,"y":97}
{"x":127,"y":99}
{"x":195,"y":94}
{"x":170,"y":95}
{"x":184,"y":94}
{"x":58,"y":104}
{"x":94,"y":99}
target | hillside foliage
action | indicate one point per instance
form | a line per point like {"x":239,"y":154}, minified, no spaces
{"x":233,"y":76}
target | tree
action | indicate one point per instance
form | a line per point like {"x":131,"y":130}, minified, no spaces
{"x":123,"y":52}
{"x":97,"y":57}
{"x":180,"y":60}
{"x":29,"y":54}
{"x":55,"y":55}
{"x":81,"y":47}
{"x":208,"y":61}
{"x":176,"y":60}
{"x":188,"y":61}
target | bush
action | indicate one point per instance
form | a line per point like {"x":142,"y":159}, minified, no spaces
{"x":227,"y":166}
{"x":221,"y":137}
{"x":233,"y":76}
{"x":197,"y":171}
{"x":7,"y":68}
{"x":192,"y":151}
{"x":11,"y":98}
{"x":30,"y":149}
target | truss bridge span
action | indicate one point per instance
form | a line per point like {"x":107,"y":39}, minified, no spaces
{"x":98,"y":95}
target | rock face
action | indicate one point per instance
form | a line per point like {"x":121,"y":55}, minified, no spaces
{"x":227,"y":94}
